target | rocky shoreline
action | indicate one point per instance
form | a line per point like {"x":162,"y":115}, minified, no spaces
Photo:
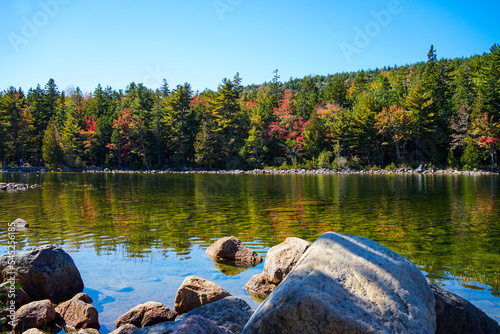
{"x":270,"y":171}
{"x":17,"y":186}
{"x":339,"y":283}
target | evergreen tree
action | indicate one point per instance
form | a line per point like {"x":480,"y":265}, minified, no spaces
{"x":71,"y":142}
{"x":52,"y":150}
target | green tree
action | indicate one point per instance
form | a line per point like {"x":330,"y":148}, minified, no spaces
{"x":490,"y":82}
{"x":71,"y":142}
{"x":177,"y":120}
{"x":306,"y":98}
{"x":17,"y":122}
{"x":336,"y":92}
{"x":52,"y":150}
{"x":419,"y":102}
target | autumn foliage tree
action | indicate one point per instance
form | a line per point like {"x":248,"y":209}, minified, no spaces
{"x":398,"y":125}
{"x":289,"y":128}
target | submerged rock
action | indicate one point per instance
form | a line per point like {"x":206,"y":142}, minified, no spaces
{"x":456,"y":315}
{"x":348,"y":284}
{"x":195,"y":292}
{"x":231,"y":248}
{"x":147,"y":314}
{"x":46,"y":272}
{"x":232,"y":268}
{"x":19,"y":224}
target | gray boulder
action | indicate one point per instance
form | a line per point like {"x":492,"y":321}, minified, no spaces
{"x":231,"y":248}
{"x":46,"y":272}
{"x":226,"y":316}
{"x":192,"y":325}
{"x":348,"y":284}
{"x":230,"y":314}
{"x":195,"y":292}
{"x":457,"y":315}
{"x":19,"y":224}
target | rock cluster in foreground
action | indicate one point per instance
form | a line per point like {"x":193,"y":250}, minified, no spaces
{"x":338,"y":284}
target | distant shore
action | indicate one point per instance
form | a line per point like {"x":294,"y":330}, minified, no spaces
{"x":272,"y":171}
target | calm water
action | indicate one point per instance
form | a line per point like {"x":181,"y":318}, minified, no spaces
{"x":135,"y":238}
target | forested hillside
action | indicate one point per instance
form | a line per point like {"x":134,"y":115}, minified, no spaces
{"x":444,"y":112}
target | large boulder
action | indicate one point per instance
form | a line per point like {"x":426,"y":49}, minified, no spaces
{"x":348,"y":284}
{"x":34,"y":314}
{"x":78,"y":312}
{"x":456,"y":315}
{"x":147,"y":314}
{"x":230,"y":314}
{"x":195,"y":292}
{"x":46,"y":272}
{"x":280,"y":261}
{"x":231,"y":248}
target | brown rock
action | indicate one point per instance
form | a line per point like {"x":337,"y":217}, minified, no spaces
{"x":34,"y":331}
{"x":195,"y":292}
{"x":280,"y":261}
{"x":457,"y":315}
{"x":282,"y":258}
{"x":83,"y":297}
{"x":88,"y":331}
{"x":124,"y":329}
{"x":21,"y":297}
{"x":78,"y":314}
{"x":33,"y":315}
{"x":231,"y":248}
{"x":259,"y":285}
{"x":147,"y":314}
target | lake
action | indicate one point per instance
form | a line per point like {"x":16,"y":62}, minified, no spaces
{"x":135,"y":237}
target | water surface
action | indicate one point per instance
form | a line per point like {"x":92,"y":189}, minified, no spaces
{"x":135,"y":237}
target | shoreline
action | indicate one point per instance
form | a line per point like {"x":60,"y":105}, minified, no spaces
{"x":274,"y":171}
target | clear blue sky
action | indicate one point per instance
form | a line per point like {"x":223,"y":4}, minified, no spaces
{"x":83,"y":43}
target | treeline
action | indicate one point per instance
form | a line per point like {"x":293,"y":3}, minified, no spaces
{"x":443,"y":112}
